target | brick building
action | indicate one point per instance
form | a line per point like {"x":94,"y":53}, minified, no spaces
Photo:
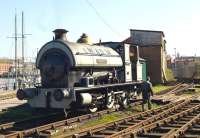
{"x":5,"y":65}
{"x":152,"y":48}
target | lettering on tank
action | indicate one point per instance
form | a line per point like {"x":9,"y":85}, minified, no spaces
{"x":101,"y":61}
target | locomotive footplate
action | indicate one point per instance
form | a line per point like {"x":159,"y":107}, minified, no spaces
{"x":105,"y":86}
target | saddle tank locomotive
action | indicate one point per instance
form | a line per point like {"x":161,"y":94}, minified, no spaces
{"x":77,"y":76}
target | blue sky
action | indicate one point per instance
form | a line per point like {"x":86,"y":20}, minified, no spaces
{"x":179,"y":19}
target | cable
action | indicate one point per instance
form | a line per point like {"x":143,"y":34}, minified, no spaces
{"x":102,"y":19}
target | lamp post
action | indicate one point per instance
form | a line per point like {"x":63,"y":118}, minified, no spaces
{"x":175,"y":61}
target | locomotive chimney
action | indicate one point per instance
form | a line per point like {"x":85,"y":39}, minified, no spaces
{"x":60,"y":34}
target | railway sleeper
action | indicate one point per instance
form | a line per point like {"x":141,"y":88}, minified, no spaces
{"x":135,"y":121}
{"x":175,"y":125}
{"x":189,"y":136}
{"x":151,"y":135}
{"x":196,"y":125}
{"x":195,"y":101}
{"x":130,"y":123}
{"x":186,"y":107}
{"x":172,"y":113}
{"x":194,"y":130}
{"x":163,"y":129}
{"x":123,"y":126}
{"x":180,"y":122}
{"x":107,"y":132}
{"x":185,"y":119}
{"x":143,"y":118}
{"x":50,"y":132}
{"x":96,"y":136}
{"x":190,"y":116}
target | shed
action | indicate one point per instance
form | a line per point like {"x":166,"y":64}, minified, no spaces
{"x":152,"y":48}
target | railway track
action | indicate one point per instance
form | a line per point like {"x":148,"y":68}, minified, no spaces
{"x":30,"y":127}
{"x":124,"y":127}
{"x":179,"y":87}
{"x":182,"y":124}
{"x":167,"y":96}
{"x":169,"y":90}
{"x":52,"y":127}
{"x":183,"y":87}
{"x":15,"y":129}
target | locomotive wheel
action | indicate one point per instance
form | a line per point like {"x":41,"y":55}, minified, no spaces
{"x":92,"y":108}
{"x":124,"y":103}
{"x":110,"y":102}
{"x":65,"y":112}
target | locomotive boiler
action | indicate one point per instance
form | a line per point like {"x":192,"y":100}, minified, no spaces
{"x":78,"y":75}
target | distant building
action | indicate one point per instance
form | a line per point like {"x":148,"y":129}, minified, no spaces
{"x":5,"y":66}
{"x":152,"y":48}
{"x":8,"y":66}
{"x":169,"y":61}
{"x":187,"y":58}
{"x":187,"y":68}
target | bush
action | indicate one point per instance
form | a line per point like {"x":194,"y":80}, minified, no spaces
{"x":170,"y":75}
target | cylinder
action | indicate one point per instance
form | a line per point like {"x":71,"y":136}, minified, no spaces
{"x":60,"y":94}
{"x":85,"y":98}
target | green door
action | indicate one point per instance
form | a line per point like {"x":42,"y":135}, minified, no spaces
{"x":144,"y":71}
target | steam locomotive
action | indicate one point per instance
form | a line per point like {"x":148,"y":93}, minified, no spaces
{"x":83,"y":76}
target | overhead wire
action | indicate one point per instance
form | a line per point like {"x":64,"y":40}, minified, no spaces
{"x":102,"y":18}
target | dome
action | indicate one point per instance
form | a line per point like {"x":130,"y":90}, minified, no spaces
{"x":84,"y":38}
